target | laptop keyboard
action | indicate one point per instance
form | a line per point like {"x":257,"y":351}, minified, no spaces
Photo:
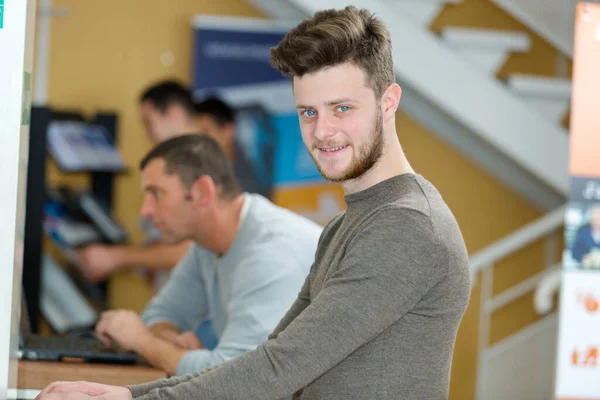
{"x":63,"y":343}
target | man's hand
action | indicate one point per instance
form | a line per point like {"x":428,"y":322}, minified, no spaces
{"x":83,"y":391}
{"x":68,"y":396}
{"x":98,"y":262}
{"x":188,"y":340}
{"x":124,"y":327}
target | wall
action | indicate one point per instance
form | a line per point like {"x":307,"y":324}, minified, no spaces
{"x":104,"y":53}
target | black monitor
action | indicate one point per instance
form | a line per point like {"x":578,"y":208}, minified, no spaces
{"x":36,"y":196}
{"x":34,"y":212}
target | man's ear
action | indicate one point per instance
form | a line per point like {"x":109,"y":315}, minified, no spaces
{"x":229,"y":134}
{"x":203,"y":191}
{"x":391,"y":101}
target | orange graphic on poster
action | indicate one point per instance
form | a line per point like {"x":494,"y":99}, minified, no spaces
{"x":587,"y":358}
{"x":584,"y":138}
{"x":589,"y":302}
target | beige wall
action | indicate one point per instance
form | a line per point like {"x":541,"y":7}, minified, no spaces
{"x":104,"y":53}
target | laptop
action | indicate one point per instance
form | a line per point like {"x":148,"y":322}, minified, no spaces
{"x":84,"y":347}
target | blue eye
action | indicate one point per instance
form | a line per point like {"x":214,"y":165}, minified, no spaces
{"x":309,"y":113}
{"x":343,"y":108}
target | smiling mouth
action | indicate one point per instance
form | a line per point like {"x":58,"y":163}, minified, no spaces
{"x":333,"y":149}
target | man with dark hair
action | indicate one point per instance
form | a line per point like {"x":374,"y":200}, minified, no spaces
{"x":167,"y":111}
{"x":216,"y":118}
{"x":378,"y":315}
{"x":247,"y":262}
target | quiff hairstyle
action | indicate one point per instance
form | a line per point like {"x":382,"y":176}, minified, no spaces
{"x":334,"y":37}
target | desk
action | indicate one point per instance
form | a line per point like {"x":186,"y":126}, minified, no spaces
{"x":38,"y":374}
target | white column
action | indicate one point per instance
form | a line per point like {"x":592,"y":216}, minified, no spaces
{"x":17,"y":21}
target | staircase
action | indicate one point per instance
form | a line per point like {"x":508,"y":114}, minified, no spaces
{"x":551,"y":19}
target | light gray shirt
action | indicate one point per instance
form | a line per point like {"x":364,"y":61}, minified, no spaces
{"x":246,"y":291}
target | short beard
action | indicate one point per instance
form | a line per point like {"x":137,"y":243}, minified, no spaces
{"x":368,"y":155}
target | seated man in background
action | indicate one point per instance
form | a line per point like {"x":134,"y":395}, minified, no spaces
{"x":217,"y":119}
{"x":167,"y":110}
{"x":244,"y":269}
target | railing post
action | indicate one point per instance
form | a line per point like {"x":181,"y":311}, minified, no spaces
{"x":485,"y":317}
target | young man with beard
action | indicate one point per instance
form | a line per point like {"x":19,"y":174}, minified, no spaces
{"x":378,"y":315}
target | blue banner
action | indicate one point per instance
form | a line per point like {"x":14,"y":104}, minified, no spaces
{"x":225,"y":58}
{"x":232,"y":61}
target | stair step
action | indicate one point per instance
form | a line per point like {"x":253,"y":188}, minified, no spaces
{"x":474,"y":38}
{"x":421,"y":12}
{"x":540,"y":86}
{"x":550,"y":96}
{"x":554,"y":109}
{"x":485,"y":48}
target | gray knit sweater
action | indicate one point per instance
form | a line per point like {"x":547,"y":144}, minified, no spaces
{"x":377,"y":317}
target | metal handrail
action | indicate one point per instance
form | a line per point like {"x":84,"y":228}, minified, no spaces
{"x":517,"y":240}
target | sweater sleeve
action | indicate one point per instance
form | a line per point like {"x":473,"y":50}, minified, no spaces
{"x":301,"y":302}
{"x":303,"y":299}
{"x":385,"y":272}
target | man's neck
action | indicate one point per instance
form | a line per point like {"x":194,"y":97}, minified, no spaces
{"x":392,"y":163}
{"x":186,"y":129}
{"x":224,"y":226}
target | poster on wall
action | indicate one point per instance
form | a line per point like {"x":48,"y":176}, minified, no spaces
{"x":578,"y":366}
{"x":231,"y":61}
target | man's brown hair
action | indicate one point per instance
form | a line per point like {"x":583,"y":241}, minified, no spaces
{"x":333,"y":37}
{"x":192,"y":156}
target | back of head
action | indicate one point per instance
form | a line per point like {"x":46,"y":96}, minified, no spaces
{"x":166,"y":93}
{"x":335,"y":37}
{"x":193,"y":156}
{"x":216,"y":109}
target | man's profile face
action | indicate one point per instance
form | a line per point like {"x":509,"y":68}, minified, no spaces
{"x":166,"y":202}
{"x":340,"y":120}
{"x":156,"y":123}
